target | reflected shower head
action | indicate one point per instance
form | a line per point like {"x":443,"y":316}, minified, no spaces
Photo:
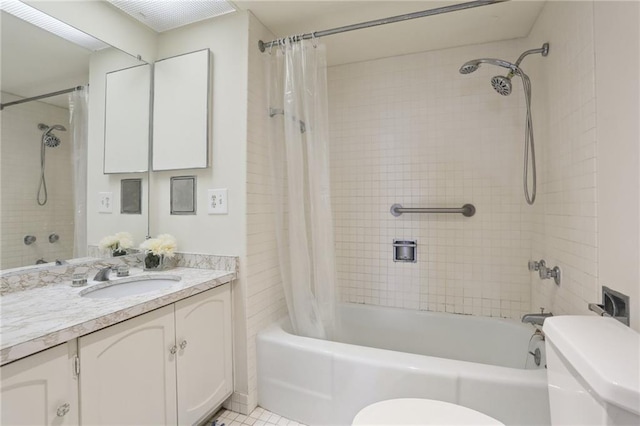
{"x":49,"y":139}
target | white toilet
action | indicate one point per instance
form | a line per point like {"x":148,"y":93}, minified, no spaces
{"x":593,"y":370}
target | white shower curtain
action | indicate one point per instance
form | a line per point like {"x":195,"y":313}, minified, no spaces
{"x":79,"y":122}
{"x":299,"y":139}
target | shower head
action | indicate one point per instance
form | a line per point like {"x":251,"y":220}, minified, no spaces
{"x":471,"y":66}
{"x":502,"y":84}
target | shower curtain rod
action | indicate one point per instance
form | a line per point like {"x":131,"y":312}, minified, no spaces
{"x":35,"y":98}
{"x":390,"y":20}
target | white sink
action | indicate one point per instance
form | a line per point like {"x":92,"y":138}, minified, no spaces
{"x":129,"y":286}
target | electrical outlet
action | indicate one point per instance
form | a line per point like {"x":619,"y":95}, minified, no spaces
{"x":105,"y":202}
{"x":217,"y":202}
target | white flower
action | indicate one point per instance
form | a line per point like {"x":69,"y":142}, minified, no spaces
{"x":125,"y":240}
{"x":120,"y":241}
{"x":109,"y":242}
{"x":164,"y":244}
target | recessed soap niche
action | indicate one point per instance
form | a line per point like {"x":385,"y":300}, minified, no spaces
{"x":405,"y":251}
{"x":131,"y":196}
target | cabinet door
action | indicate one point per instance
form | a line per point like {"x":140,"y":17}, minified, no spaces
{"x":41,"y":389}
{"x":127,"y":372}
{"x":203,"y":335}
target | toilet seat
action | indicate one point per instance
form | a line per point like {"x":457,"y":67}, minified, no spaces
{"x":416,"y":411}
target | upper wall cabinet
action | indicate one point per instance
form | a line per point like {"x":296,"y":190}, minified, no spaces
{"x":181,"y":112}
{"x":126,"y":121}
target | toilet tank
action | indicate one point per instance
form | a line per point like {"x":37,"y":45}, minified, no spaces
{"x":593,"y":371}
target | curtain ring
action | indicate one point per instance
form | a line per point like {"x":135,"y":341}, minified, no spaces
{"x":314,"y":39}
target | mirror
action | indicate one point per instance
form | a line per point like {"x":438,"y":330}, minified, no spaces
{"x":36,"y":62}
{"x":181,"y":112}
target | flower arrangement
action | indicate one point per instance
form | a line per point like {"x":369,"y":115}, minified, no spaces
{"x":118,"y":243}
{"x":157,"y":249}
{"x":163,"y":244}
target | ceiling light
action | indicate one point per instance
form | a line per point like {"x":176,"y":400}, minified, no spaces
{"x":164,"y":15}
{"x":47,"y":23}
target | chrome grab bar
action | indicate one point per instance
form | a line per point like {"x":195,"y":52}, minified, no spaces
{"x":467,"y":210}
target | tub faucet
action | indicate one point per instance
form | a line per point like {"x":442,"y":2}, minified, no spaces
{"x":103,"y":274}
{"x":536,"y":319}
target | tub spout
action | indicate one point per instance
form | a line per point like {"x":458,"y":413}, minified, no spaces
{"x":536,"y":319}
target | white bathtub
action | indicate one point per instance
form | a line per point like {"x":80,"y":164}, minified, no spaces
{"x":384,"y":353}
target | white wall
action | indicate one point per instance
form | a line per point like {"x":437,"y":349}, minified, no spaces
{"x":412,"y":130}
{"x":227,"y":37}
{"x":617,"y":71}
{"x":19,"y":178}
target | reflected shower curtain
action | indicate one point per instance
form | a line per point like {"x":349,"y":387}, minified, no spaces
{"x":299,"y":151}
{"x":79,"y":121}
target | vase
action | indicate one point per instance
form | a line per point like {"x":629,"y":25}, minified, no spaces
{"x":118,"y":252}
{"x":154,"y":262}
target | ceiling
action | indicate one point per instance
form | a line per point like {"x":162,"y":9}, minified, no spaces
{"x":502,"y":21}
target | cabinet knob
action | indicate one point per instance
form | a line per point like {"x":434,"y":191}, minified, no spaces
{"x":183,"y":344}
{"x":173,"y":349}
{"x":63,"y":409}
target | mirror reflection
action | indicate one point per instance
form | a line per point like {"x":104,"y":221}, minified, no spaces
{"x":44,"y":173}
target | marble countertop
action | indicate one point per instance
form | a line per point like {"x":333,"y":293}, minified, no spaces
{"x":39,"y":318}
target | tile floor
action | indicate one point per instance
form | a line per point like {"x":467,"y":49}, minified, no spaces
{"x":258,"y":417}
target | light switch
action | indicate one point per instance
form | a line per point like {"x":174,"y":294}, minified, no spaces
{"x":105,"y":202}
{"x":217,"y":202}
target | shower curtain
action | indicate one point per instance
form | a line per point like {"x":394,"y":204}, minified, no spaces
{"x":298,"y":145}
{"x":78,"y":120}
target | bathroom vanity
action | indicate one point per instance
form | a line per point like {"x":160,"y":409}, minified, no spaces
{"x":163,"y":357}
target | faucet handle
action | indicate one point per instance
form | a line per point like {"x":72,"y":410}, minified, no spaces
{"x":534,"y":265}
{"x":541,"y":310}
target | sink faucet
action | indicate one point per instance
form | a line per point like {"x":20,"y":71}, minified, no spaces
{"x":103,"y":274}
{"x":536,"y":319}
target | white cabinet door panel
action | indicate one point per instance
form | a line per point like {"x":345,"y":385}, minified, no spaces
{"x":204,"y":361}
{"x":41,"y":389}
{"x":128,"y":374}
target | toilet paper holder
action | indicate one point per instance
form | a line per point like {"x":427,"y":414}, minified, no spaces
{"x":614,"y":304}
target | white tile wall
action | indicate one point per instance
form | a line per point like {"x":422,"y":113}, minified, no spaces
{"x":565,"y":218}
{"x":265,"y":297}
{"x":412,"y":130}
{"x":20,"y":176}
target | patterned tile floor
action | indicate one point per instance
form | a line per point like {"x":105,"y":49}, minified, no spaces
{"x":258,"y":417}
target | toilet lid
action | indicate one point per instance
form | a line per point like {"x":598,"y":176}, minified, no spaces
{"x":415,"y":411}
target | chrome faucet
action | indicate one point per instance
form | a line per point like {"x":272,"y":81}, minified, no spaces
{"x":544,"y":272}
{"x":536,"y":319}
{"x":103,"y":274}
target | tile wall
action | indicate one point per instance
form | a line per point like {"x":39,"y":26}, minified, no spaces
{"x":565,"y":231}
{"x":265,"y":296}
{"x":412,"y":130}
{"x":20,"y":175}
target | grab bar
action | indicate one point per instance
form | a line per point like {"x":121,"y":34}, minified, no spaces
{"x":467,"y":210}
{"x":277,"y":111}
